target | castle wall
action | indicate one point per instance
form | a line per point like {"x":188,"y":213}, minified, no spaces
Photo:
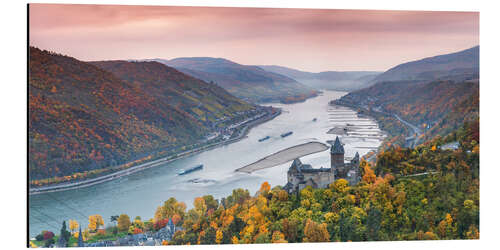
{"x":323,"y":179}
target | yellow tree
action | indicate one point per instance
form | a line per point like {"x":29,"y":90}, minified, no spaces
{"x":278,"y":237}
{"x":200,"y":206}
{"x":95,"y":221}
{"x":283,"y":195}
{"x":73,"y":225}
{"x":138,"y":222}
{"x":218,"y":236}
{"x":340,"y":185}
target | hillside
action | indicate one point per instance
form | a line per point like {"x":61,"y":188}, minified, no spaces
{"x":436,"y":107}
{"x":204,"y":101}
{"x":247,"y":82}
{"x":84,"y":118}
{"x":462,"y":65}
{"x":437,"y":95}
{"x":332,"y":80}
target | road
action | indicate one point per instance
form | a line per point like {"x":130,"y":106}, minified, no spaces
{"x":415,"y":129}
{"x":111,"y":176}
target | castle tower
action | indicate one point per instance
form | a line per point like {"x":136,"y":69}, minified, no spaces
{"x":355,"y":160}
{"x":336,"y":155}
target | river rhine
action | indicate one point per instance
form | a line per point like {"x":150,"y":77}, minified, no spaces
{"x":139,"y":194}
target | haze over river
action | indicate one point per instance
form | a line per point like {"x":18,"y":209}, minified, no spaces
{"x":139,"y":194}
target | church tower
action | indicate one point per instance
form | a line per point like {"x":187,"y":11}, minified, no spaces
{"x":336,"y":155}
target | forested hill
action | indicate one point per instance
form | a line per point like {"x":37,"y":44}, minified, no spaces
{"x":455,"y":66}
{"x":248,"y":82}
{"x":437,"y":94}
{"x":436,"y":107}
{"x":82,"y":117}
{"x":204,"y":101}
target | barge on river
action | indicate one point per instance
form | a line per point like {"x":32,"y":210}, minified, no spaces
{"x":187,"y":171}
{"x":265,"y":138}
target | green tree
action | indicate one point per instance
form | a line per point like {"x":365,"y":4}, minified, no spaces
{"x":373,"y":223}
{"x":209,"y":237}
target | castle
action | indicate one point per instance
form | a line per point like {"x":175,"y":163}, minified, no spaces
{"x":302,"y":175}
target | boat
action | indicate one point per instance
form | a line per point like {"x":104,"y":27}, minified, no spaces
{"x":315,"y":119}
{"x":187,"y":171}
{"x":263,"y":139}
{"x":286,"y":134}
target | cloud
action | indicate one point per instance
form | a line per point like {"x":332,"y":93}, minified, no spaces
{"x":273,"y":36}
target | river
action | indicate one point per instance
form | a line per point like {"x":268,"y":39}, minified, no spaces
{"x":139,"y":194}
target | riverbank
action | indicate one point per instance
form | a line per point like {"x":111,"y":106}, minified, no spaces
{"x":118,"y":174}
{"x":284,"y":156}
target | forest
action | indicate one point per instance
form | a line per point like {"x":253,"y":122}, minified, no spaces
{"x":437,"y":107}
{"x":86,"y":118}
{"x":424,"y":193}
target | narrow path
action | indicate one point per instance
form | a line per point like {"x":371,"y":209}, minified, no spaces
{"x":420,"y":174}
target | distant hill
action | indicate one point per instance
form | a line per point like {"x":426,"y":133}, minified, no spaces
{"x":250,"y":83}
{"x":86,"y":116}
{"x":438,"y":94}
{"x":462,"y":65}
{"x":332,"y":80}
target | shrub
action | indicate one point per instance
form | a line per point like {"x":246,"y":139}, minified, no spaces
{"x":48,"y":235}
{"x":39,"y":237}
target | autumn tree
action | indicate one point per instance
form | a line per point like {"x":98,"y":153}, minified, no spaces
{"x":473,"y":233}
{"x":369,"y":175}
{"x":278,"y":237}
{"x":264,"y":188}
{"x":219,"y":235}
{"x":290,"y":230}
{"x":315,"y":232}
{"x":176,"y":219}
{"x":123,"y":223}
{"x":95,"y":221}
{"x":208,"y":237}
{"x":73,"y":225}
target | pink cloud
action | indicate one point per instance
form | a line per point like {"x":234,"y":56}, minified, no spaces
{"x":307,"y":39}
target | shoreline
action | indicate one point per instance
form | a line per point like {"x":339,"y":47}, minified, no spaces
{"x":288,"y":153}
{"x":111,"y":176}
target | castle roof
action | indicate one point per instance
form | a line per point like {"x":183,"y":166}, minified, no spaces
{"x":298,"y":166}
{"x":296,"y":163}
{"x":337,"y":147}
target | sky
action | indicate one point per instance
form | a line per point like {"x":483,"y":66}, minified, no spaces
{"x":312,"y":40}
